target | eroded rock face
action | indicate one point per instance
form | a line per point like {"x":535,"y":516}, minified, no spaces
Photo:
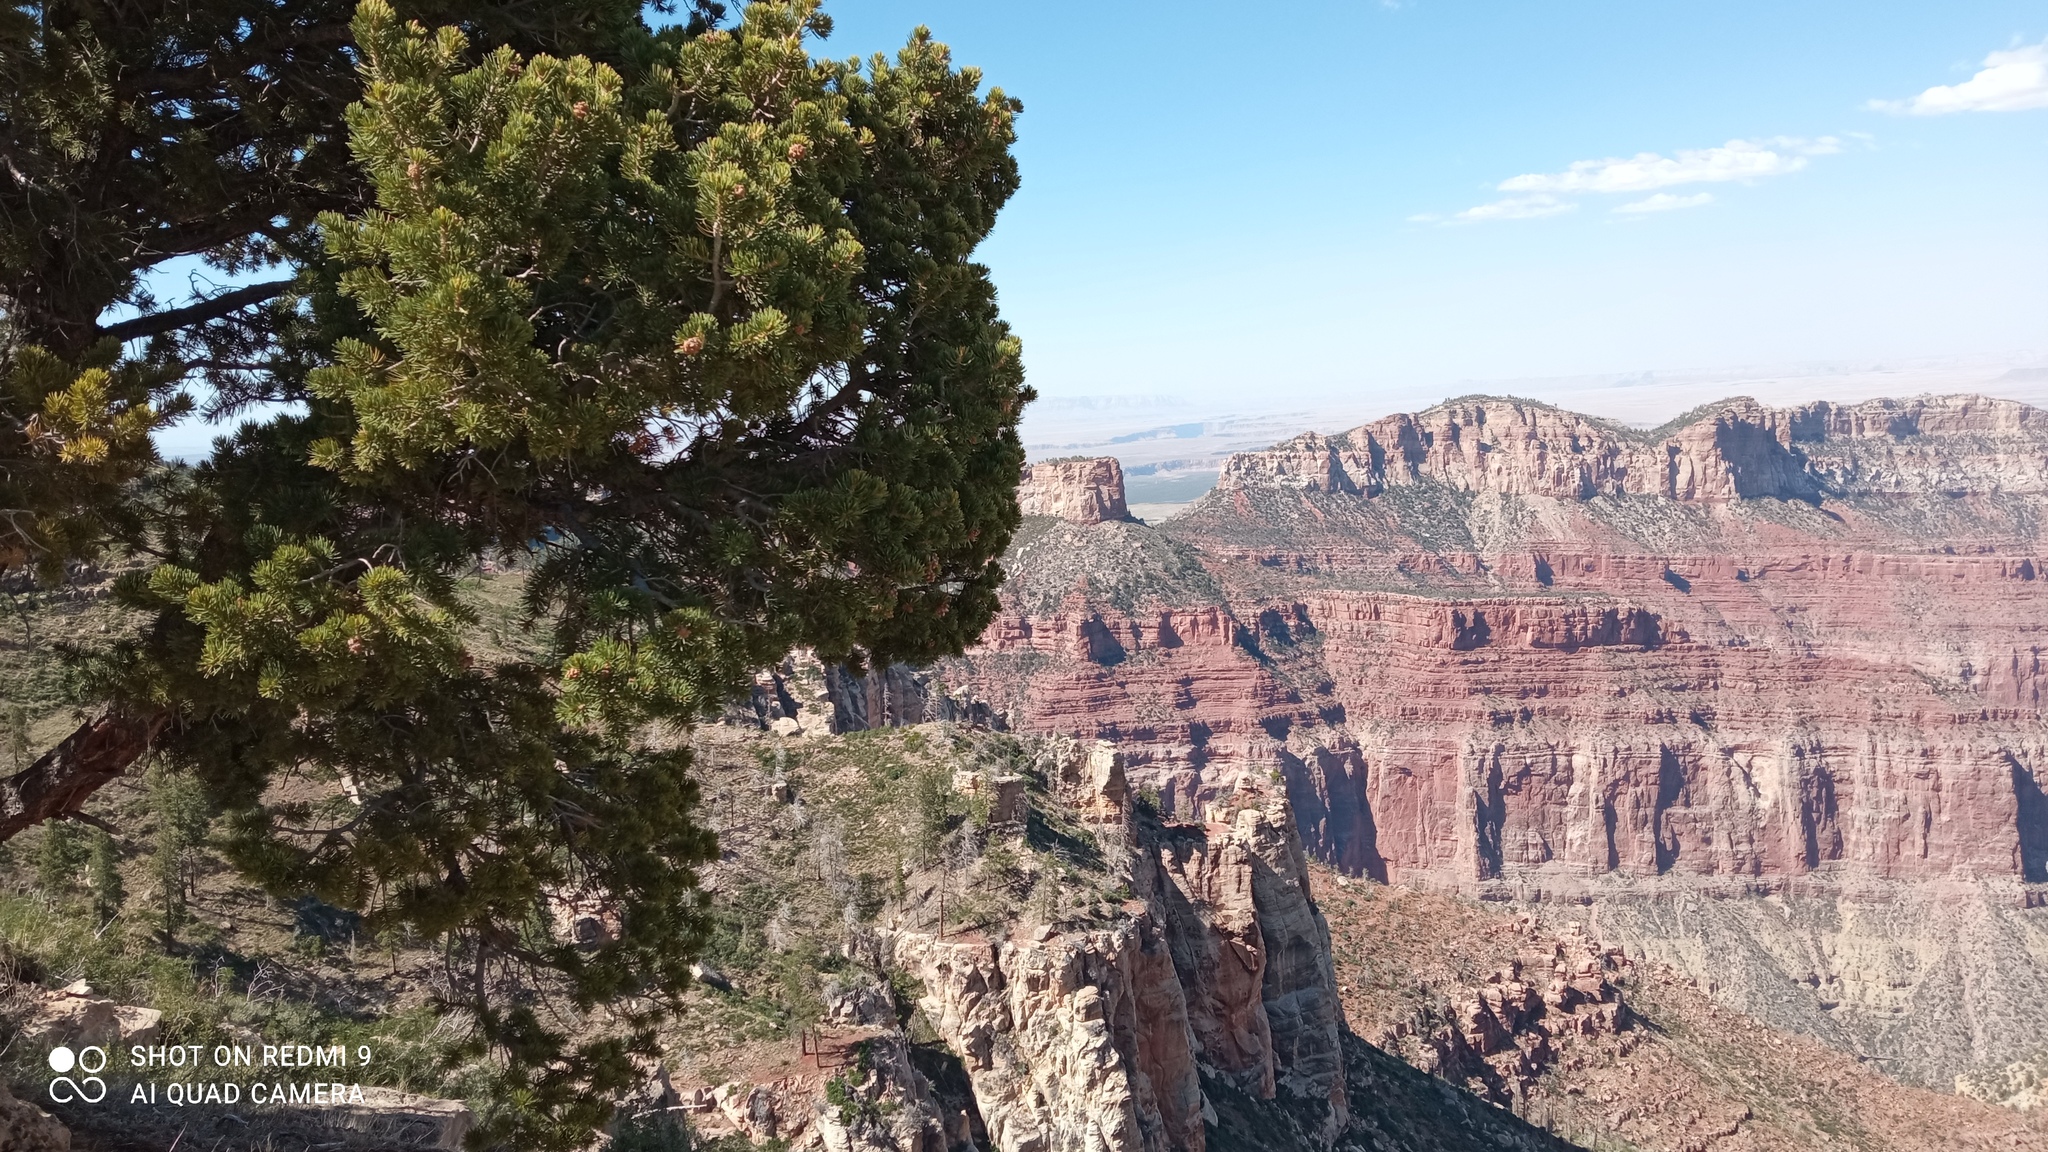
{"x":1299,"y":987}
{"x":1086,"y":490}
{"x":1203,"y":885}
{"x":1810,"y":638}
{"x":1102,"y":1039}
{"x":1499,"y":1037}
{"x":1061,"y":1057}
{"x":1252,"y":951}
{"x":805,"y":697}
{"x":1512,"y":651}
{"x":1543,"y":1014}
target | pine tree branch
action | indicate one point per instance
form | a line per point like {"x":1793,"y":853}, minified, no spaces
{"x":93,"y":821}
{"x":64,"y":777}
{"x":173,"y":319}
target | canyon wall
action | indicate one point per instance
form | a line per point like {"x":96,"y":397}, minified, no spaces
{"x":1511,"y":651}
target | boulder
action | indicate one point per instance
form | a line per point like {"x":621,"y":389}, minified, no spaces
{"x":77,"y":1018}
{"x":1008,"y":803}
{"x":861,"y":1003}
{"x":401,"y":1120}
{"x":27,"y":1128}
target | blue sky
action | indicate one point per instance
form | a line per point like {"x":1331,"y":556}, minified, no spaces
{"x":1237,"y":210}
{"x":1240,"y":203}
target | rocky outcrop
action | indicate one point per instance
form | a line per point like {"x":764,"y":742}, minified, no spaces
{"x":1054,"y":1042}
{"x":1084,"y":490}
{"x":806,"y":697}
{"x":1103,"y":1039}
{"x":76,"y":1016}
{"x":27,"y":1128}
{"x":1500,"y":1037}
{"x":1078,"y":970}
{"x":1252,"y":952}
{"x":857,"y":1090}
{"x":388,"y":1118}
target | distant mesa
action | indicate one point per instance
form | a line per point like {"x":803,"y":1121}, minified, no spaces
{"x":1080,"y":489}
{"x":1735,"y":449}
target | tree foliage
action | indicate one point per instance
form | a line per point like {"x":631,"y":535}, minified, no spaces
{"x":141,"y":134}
{"x":685,"y":322}
{"x":103,"y":874}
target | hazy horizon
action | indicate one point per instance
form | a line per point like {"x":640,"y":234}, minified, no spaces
{"x":1171,"y":446}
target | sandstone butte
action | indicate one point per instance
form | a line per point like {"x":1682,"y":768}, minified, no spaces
{"x":1084,"y":490}
{"x":1762,"y":687}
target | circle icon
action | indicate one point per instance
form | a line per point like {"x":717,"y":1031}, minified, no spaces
{"x":62,"y":1060}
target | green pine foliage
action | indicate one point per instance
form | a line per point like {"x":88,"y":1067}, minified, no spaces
{"x":103,"y":875}
{"x":14,"y":734}
{"x":684,"y":324}
{"x":59,"y":858}
{"x":183,"y":816}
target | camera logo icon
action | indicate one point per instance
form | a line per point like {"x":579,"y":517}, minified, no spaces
{"x":88,"y":1088}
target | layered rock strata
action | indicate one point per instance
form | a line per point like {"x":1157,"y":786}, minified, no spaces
{"x":1513,"y":651}
{"x":1732,"y":450}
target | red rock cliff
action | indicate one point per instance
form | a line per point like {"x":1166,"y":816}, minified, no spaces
{"x":1497,"y":643}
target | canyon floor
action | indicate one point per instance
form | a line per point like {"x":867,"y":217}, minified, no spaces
{"x":1687,"y":1073}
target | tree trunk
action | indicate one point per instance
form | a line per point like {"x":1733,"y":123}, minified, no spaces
{"x":60,"y":781}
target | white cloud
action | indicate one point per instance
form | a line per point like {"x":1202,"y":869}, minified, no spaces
{"x":1518,"y":208}
{"x":1666,"y":202}
{"x":1743,"y":160}
{"x":1746,"y":161}
{"x":2010,"y":81}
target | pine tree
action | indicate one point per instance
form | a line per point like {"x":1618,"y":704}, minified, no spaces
{"x":58,"y":860}
{"x":103,"y":874}
{"x":14,"y":730}
{"x":688,"y":319}
{"x":180,"y":808}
